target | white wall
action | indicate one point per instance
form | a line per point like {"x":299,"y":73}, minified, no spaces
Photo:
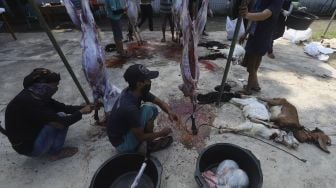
{"x":217,"y":6}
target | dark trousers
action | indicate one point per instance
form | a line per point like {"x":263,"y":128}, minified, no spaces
{"x":167,"y":17}
{"x":278,"y":31}
{"x":147,"y":12}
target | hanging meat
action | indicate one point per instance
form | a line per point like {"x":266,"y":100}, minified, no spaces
{"x":132,"y":14}
{"x":92,"y":57}
{"x":191,"y":31}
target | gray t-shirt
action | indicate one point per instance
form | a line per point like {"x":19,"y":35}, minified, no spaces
{"x":125,"y":115}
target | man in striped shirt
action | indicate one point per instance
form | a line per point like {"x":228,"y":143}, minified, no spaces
{"x":166,"y":10}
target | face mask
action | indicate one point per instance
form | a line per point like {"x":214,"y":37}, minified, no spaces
{"x":51,"y":90}
{"x":43,"y":90}
{"x":145,"y":89}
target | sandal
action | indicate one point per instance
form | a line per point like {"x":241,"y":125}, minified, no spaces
{"x":64,"y":153}
{"x":160,"y":144}
{"x":110,"y":48}
{"x":256,"y":89}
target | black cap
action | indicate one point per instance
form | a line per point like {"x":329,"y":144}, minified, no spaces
{"x":139,"y":72}
{"x":40,"y":75}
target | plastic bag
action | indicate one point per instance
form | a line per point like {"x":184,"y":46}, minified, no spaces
{"x":230,"y":27}
{"x":315,"y":49}
{"x":296,"y":36}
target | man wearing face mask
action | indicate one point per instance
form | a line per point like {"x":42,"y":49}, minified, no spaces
{"x":132,"y":122}
{"x":36,"y":124}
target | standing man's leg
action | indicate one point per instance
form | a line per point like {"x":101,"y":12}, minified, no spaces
{"x":270,"y":51}
{"x":171,"y":24}
{"x":150,"y":17}
{"x":143,"y":15}
{"x":130,"y":32}
{"x":164,"y":23}
{"x":252,"y":63}
{"x":117,"y":34}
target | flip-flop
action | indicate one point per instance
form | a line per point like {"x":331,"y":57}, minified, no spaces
{"x":256,"y":89}
{"x":160,"y":144}
{"x":110,"y":48}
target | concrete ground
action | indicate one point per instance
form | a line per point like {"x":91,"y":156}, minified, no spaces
{"x":307,"y":83}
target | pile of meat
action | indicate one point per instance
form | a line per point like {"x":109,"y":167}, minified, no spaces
{"x":227,"y":175}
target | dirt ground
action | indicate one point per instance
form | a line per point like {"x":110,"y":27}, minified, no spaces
{"x":307,"y":83}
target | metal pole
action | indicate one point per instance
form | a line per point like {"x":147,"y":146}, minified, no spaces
{"x":228,"y":63}
{"x":58,"y":49}
{"x":331,"y":19}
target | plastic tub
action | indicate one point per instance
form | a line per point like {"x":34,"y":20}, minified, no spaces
{"x":211,"y":156}
{"x":300,"y":20}
{"x":120,"y":171}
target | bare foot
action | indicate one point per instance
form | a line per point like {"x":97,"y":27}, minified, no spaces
{"x":64,"y":153}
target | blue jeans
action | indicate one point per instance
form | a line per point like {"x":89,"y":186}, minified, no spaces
{"x":117,"y":30}
{"x":130,"y":143}
{"x":50,"y":140}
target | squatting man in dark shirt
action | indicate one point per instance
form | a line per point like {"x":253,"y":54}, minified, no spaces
{"x":132,"y":122}
{"x":36,"y":124}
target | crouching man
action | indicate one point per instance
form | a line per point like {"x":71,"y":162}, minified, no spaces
{"x":132,"y":122}
{"x":36,"y":124}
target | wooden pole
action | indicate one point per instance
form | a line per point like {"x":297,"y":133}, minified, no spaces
{"x":331,"y":19}
{"x":228,"y":63}
{"x":58,"y":49}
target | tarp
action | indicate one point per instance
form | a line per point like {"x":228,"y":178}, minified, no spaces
{"x":319,"y":7}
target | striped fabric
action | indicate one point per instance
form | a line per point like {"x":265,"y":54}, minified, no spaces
{"x":165,"y":6}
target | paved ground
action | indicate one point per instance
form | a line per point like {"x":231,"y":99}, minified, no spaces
{"x":307,"y":83}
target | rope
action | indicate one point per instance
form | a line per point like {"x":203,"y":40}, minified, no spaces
{"x":242,"y":134}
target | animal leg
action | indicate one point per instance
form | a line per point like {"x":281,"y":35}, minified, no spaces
{"x":272,"y":102}
{"x":267,"y":124}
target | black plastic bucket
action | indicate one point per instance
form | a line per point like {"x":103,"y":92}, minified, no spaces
{"x":126,"y":166}
{"x":211,"y":156}
{"x":300,"y":20}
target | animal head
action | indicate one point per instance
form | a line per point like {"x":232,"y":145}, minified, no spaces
{"x":321,"y":139}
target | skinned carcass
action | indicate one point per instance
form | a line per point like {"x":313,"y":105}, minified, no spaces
{"x":191,"y":31}
{"x":92,"y":57}
{"x":133,"y":7}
